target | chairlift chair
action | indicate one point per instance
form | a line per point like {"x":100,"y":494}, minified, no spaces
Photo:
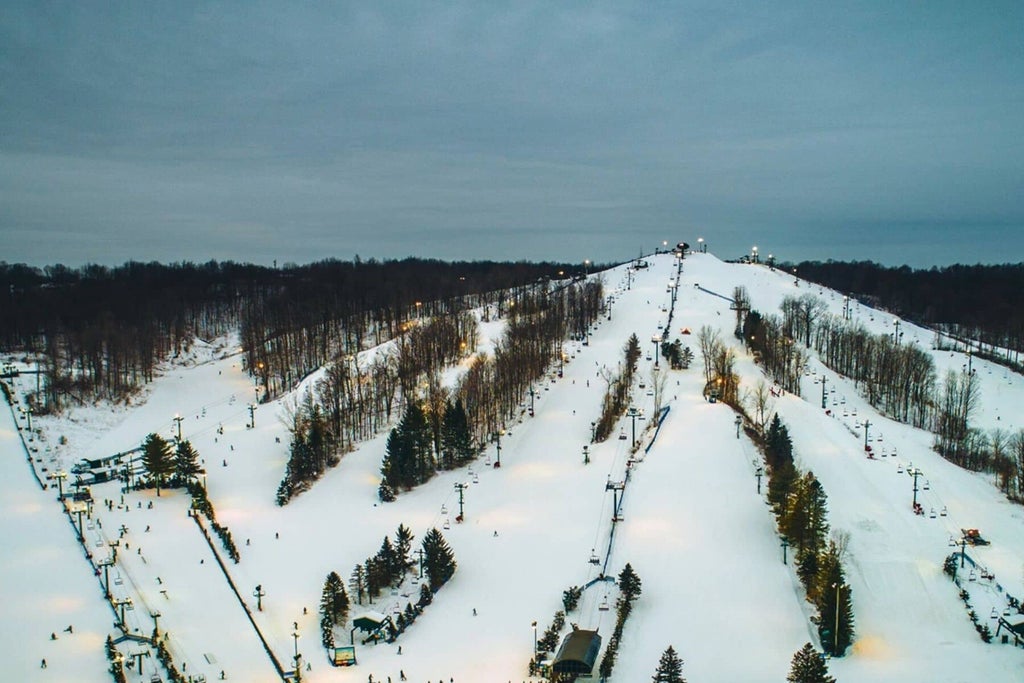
{"x":118,"y":580}
{"x":447,"y":525}
{"x":943,"y":512}
{"x":926,"y":485}
{"x":594,"y":559}
{"x":604,"y":605}
{"x":444,"y":509}
{"x":972,"y":576}
{"x":932,"y":515}
{"x":622,"y":435}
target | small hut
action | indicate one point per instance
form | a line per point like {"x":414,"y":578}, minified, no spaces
{"x":578,"y":653}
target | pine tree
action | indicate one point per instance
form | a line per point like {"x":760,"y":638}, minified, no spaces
{"x":629,"y":583}
{"x":808,"y":666}
{"x":334,"y":601}
{"x":156,"y":457}
{"x":456,"y":439}
{"x":782,"y":480}
{"x":670,"y":668}
{"x":805,"y":524}
{"x":830,"y":585}
{"x":438,"y":559}
{"x":357,"y":583}
{"x":426,"y":597}
{"x":326,"y":633}
{"x":403,"y":547}
{"x":389,"y":564}
{"x":186,"y":461}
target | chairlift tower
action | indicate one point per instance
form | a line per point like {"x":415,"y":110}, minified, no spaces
{"x":617,"y":488}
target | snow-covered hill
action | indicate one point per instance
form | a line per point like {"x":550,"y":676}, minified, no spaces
{"x":693,"y":525}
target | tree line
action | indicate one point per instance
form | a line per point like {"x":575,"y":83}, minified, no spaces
{"x":898,"y":379}
{"x":800,"y":506}
{"x":969,"y":302}
{"x":101,"y":332}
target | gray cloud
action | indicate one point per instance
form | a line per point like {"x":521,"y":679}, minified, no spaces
{"x":472,"y":130}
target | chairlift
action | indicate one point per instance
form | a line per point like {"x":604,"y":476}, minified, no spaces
{"x":1006,"y":611}
{"x":952,"y":541}
{"x":899,"y":469}
{"x":972,"y":576}
{"x":994,"y":614}
{"x":604,"y":605}
{"x":932,"y":515}
{"x":594,"y":559}
{"x":476,"y":479}
{"x":444,"y":509}
{"x":118,"y":580}
{"x":943,"y":513}
{"x":447,"y":525}
{"x":622,"y":435}
{"x":926,"y":485}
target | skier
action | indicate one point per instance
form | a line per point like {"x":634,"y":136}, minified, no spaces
{"x":401,"y":675}
{"x":42,"y":664}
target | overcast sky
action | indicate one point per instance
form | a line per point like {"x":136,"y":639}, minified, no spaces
{"x":296,"y":132}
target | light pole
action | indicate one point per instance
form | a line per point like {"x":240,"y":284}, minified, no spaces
{"x":896,"y":335}
{"x":701,"y":247}
{"x":739,"y":423}
{"x":655,"y":339}
{"x":759,"y":473}
{"x":633,"y":414}
{"x":258,"y":594}
{"x":586,"y":268}
{"x":835,"y":635}
{"x":785,"y":545}
{"x":295,"y":637}
{"x":753,"y":252}
{"x":586,"y":455}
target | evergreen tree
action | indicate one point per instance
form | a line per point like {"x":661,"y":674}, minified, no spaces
{"x":157,"y":458}
{"x":357,"y":583}
{"x":326,"y":633}
{"x":403,"y":547}
{"x":438,"y":559}
{"x":334,"y":601}
{"x":456,"y":439}
{"x":830,"y":585}
{"x":629,"y":583}
{"x":782,"y":478}
{"x":426,"y":597}
{"x":805,"y":524}
{"x":186,"y":461}
{"x":408,"y":459}
{"x":670,"y":668}
{"x":808,"y":666}
{"x":389,"y":563}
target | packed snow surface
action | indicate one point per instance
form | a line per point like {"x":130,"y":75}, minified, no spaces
{"x":692,"y":524}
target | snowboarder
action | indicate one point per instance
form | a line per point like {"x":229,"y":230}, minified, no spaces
{"x":42,"y":664}
{"x":401,"y":675}
{"x":474,"y":611}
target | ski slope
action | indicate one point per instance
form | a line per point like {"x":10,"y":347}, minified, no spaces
{"x":693,"y":525}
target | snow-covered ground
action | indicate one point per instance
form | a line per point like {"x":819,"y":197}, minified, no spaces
{"x":694,"y":527}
